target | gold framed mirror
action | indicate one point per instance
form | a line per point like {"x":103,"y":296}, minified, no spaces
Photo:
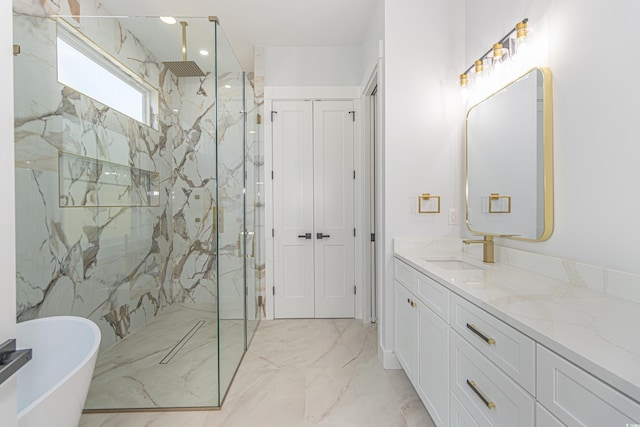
{"x":509,"y":160}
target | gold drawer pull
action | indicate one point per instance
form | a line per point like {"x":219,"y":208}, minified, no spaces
{"x":486,"y":401}
{"x":475,"y":330}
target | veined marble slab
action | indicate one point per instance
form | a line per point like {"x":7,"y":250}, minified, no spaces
{"x":328,"y":376}
{"x":566,"y":310}
{"x":170,"y":362}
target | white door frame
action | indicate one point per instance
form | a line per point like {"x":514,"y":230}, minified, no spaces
{"x":364,"y":187}
{"x":8,"y":400}
{"x":296,"y":93}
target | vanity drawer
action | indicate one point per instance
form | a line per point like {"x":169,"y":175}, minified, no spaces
{"x":579,"y":399}
{"x":512,"y":351}
{"x":404,"y":274}
{"x":487,"y":393}
{"x":433,"y":295}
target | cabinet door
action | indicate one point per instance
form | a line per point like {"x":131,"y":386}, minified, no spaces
{"x":460,"y":417}
{"x":545,"y":419}
{"x":405,"y":346}
{"x":433,"y":364}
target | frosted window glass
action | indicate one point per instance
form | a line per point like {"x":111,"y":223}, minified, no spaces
{"x":78,"y":71}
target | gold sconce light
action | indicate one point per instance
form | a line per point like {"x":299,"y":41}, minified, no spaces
{"x":496,"y":197}
{"x":464,"y":79}
{"x":522,"y":30}
{"x":501,"y":50}
{"x":479,"y":65}
{"x":498,"y":52}
{"x":426,"y":197}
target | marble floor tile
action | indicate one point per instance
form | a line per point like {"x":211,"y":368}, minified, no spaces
{"x":301,"y":373}
{"x":152,"y":369}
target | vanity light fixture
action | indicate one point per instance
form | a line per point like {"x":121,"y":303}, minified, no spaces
{"x":521,"y":30}
{"x":499,"y":51}
{"x":464,"y":79}
{"x":479,"y":66}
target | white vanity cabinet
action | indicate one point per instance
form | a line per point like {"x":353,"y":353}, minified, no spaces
{"x":470,"y":368}
{"x":577,"y":398}
{"x":433,"y":364}
{"x":406,"y":329}
{"x":422,"y":337}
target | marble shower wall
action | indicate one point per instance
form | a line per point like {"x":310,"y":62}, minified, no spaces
{"x":189,"y":128}
{"x":120,"y":265}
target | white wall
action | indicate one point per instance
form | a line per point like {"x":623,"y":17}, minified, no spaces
{"x":424,"y":53}
{"x":8,"y":404}
{"x":312,"y":66}
{"x":591,"y":49}
{"x":373,"y":36}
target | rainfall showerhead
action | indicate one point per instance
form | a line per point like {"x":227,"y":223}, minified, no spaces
{"x":184,"y":68}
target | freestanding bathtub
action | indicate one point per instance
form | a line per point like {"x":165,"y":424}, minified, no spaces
{"x":53,"y":386}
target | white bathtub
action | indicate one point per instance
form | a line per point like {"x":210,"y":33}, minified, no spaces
{"x":53,"y":386}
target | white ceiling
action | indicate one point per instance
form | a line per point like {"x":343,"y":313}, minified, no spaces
{"x":250,"y":23}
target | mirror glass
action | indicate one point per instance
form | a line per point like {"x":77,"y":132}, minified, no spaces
{"x":509,"y":160}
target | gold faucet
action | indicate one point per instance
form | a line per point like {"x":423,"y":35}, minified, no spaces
{"x":488,"y":253}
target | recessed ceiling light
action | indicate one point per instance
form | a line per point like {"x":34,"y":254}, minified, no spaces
{"x":168,"y":20}
{"x":227,"y":86}
{"x":252,"y":131}
{"x":204,"y":52}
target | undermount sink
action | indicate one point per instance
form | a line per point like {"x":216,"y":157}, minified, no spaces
{"x":453,"y":264}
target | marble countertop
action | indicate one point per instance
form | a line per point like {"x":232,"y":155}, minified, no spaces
{"x":597,"y":331}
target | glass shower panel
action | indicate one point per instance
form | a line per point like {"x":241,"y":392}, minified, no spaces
{"x":252,"y":209}
{"x":116,"y":218}
{"x":231,"y":216}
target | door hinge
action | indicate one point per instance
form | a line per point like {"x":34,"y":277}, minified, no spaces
{"x":273,"y":290}
{"x":272,"y":113}
{"x":354,"y":232}
{"x":273,"y":232}
{"x":16,"y":49}
{"x":355,"y":290}
{"x":271,"y":175}
{"x":354,"y":174}
{"x":353,"y":115}
{"x":373,"y":237}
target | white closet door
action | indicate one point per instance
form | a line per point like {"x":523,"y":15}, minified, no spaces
{"x":293,"y":209}
{"x":333,"y":209}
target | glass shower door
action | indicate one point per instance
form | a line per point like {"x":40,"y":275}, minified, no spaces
{"x":231,"y":254}
{"x":252,"y":210}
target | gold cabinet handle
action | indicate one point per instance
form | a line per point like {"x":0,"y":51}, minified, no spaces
{"x":478,"y":393}
{"x":475,"y":330}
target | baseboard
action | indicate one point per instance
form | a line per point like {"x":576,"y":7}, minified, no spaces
{"x":388,"y":359}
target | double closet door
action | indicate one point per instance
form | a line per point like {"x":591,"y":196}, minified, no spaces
{"x":313,"y":188}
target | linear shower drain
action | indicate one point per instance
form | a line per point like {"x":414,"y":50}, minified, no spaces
{"x":183,"y":341}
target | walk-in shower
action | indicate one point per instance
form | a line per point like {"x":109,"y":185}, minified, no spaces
{"x":137,"y":201}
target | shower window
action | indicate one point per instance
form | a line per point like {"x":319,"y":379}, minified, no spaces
{"x":81,"y":64}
